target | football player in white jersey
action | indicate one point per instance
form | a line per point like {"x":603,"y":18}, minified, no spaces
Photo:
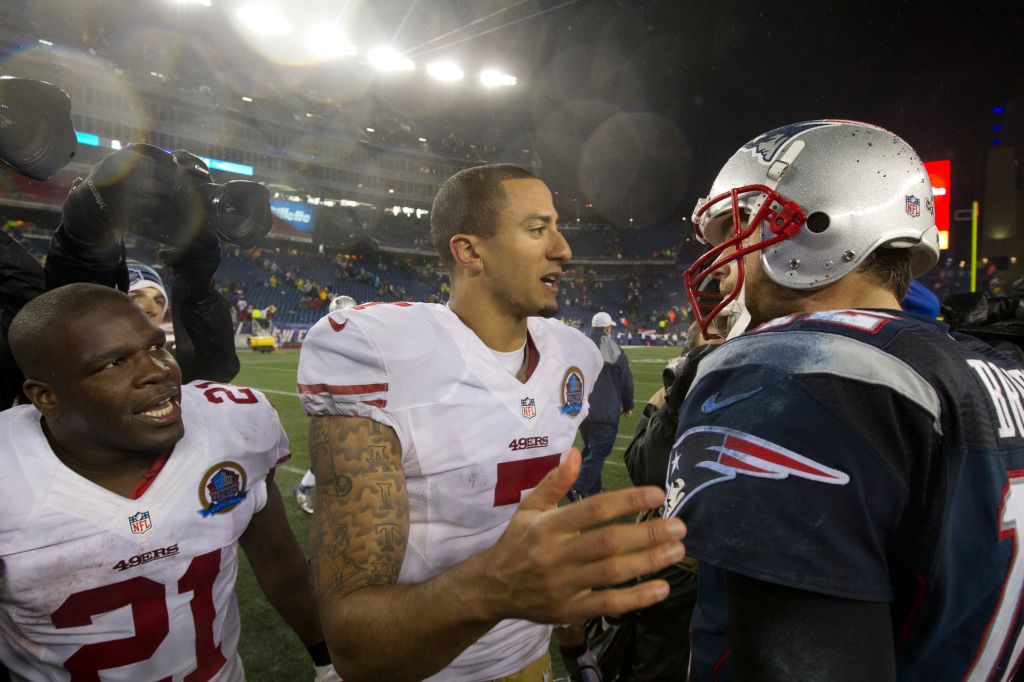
{"x":430,"y":426}
{"x":123,"y":499}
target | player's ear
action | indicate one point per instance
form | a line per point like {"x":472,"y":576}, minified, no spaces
{"x":465,"y":251}
{"x":43,"y":397}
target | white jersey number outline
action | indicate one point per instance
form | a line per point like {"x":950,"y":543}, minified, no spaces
{"x":998,"y":634}
{"x":149,"y":615}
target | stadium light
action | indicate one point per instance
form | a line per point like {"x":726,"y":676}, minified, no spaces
{"x":492,"y":78}
{"x":445,"y":71}
{"x":45,"y":42}
{"x":327,"y":41}
{"x":264,"y":19}
{"x":386,"y":59}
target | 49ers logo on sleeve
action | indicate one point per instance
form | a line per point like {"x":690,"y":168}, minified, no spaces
{"x":572,"y":392}
{"x":721,"y":454}
{"x":222,"y":487}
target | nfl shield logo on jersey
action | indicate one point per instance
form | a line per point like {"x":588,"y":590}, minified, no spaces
{"x":140,"y":522}
{"x":913,"y":206}
{"x":528,"y":406}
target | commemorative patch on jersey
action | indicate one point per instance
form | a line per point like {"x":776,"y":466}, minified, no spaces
{"x":528,"y":408}
{"x":139,"y":522}
{"x":721,"y":454}
{"x":571,"y":392}
{"x":222,"y":487}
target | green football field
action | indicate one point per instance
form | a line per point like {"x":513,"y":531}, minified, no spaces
{"x":269,"y":650}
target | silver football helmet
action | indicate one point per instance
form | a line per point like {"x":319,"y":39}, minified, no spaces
{"x":341,"y":303}
{"x":815,"y":199}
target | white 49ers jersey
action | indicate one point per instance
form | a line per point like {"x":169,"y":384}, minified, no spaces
{"x":100,"y":587}
{"x":474,"y":438}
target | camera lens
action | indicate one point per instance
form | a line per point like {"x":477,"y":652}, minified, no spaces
{"x":37,"y":137}
{"x":242,"y":212}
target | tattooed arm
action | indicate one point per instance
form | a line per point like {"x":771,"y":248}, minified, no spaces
{"x":375,"y":628}
{"x":544,"y":568}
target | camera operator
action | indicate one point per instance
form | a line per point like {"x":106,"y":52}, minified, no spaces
{"x":37,"y":139}
{"x":169,"y":198}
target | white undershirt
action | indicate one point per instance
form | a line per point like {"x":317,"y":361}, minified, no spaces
{"x":511,"y":361}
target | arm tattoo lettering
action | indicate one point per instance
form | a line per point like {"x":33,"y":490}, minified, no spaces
{"x":361,"y":522}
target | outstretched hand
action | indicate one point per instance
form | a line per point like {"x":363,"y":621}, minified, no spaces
{"x":557,"y":564}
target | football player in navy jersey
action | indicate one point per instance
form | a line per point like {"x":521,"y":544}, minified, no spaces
{"x":852,"y":477}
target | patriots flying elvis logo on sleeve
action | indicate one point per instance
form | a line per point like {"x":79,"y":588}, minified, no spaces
{"x":722,"y":454}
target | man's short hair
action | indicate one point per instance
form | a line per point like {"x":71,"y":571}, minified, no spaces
{"x":890,"y":268}
{"x":39,"y":330}
{"x":469,"y":202}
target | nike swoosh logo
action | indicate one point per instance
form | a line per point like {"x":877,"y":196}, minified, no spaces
{"x":713,"y":403}
{"x":335,"y":326}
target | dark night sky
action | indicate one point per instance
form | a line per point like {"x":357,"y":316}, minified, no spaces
{"x":716,"y":74}
{"x":634,"y":105}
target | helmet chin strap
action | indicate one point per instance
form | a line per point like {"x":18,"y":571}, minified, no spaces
{"x":738,"y":313}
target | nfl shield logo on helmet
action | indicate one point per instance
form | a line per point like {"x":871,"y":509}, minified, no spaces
{"x":913,"y":206}
{"x":140,"y":522}
{"x":528,"y":406}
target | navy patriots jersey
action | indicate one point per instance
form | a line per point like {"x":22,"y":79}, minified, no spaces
{"x":868,"y":455}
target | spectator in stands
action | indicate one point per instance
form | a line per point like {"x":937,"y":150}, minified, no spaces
{"x":106,"y":432}
{"x":612,"y":397}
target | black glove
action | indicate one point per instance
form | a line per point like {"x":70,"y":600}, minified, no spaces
{"x":680,"y":373}
{"x":193,"y":266}
{"x":131,"y":190}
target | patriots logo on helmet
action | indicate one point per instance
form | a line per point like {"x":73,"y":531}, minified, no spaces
{"x":768,"y":145}
{"x":735,"y":453}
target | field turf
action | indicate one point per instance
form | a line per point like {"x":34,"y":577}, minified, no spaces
{"x":269,"y":650}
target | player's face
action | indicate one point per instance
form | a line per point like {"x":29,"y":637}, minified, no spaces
{"x":118,"y":388}
{"x":716,"y":231}
{"x":764,"y":299}
{"x":151,"y":302}
{"x":524,"y":258}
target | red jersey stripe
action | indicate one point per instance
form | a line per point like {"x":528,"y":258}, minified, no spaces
{"x":354,"y":389}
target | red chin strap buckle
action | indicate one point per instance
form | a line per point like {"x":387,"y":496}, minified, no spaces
{"x":786,"y":220}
